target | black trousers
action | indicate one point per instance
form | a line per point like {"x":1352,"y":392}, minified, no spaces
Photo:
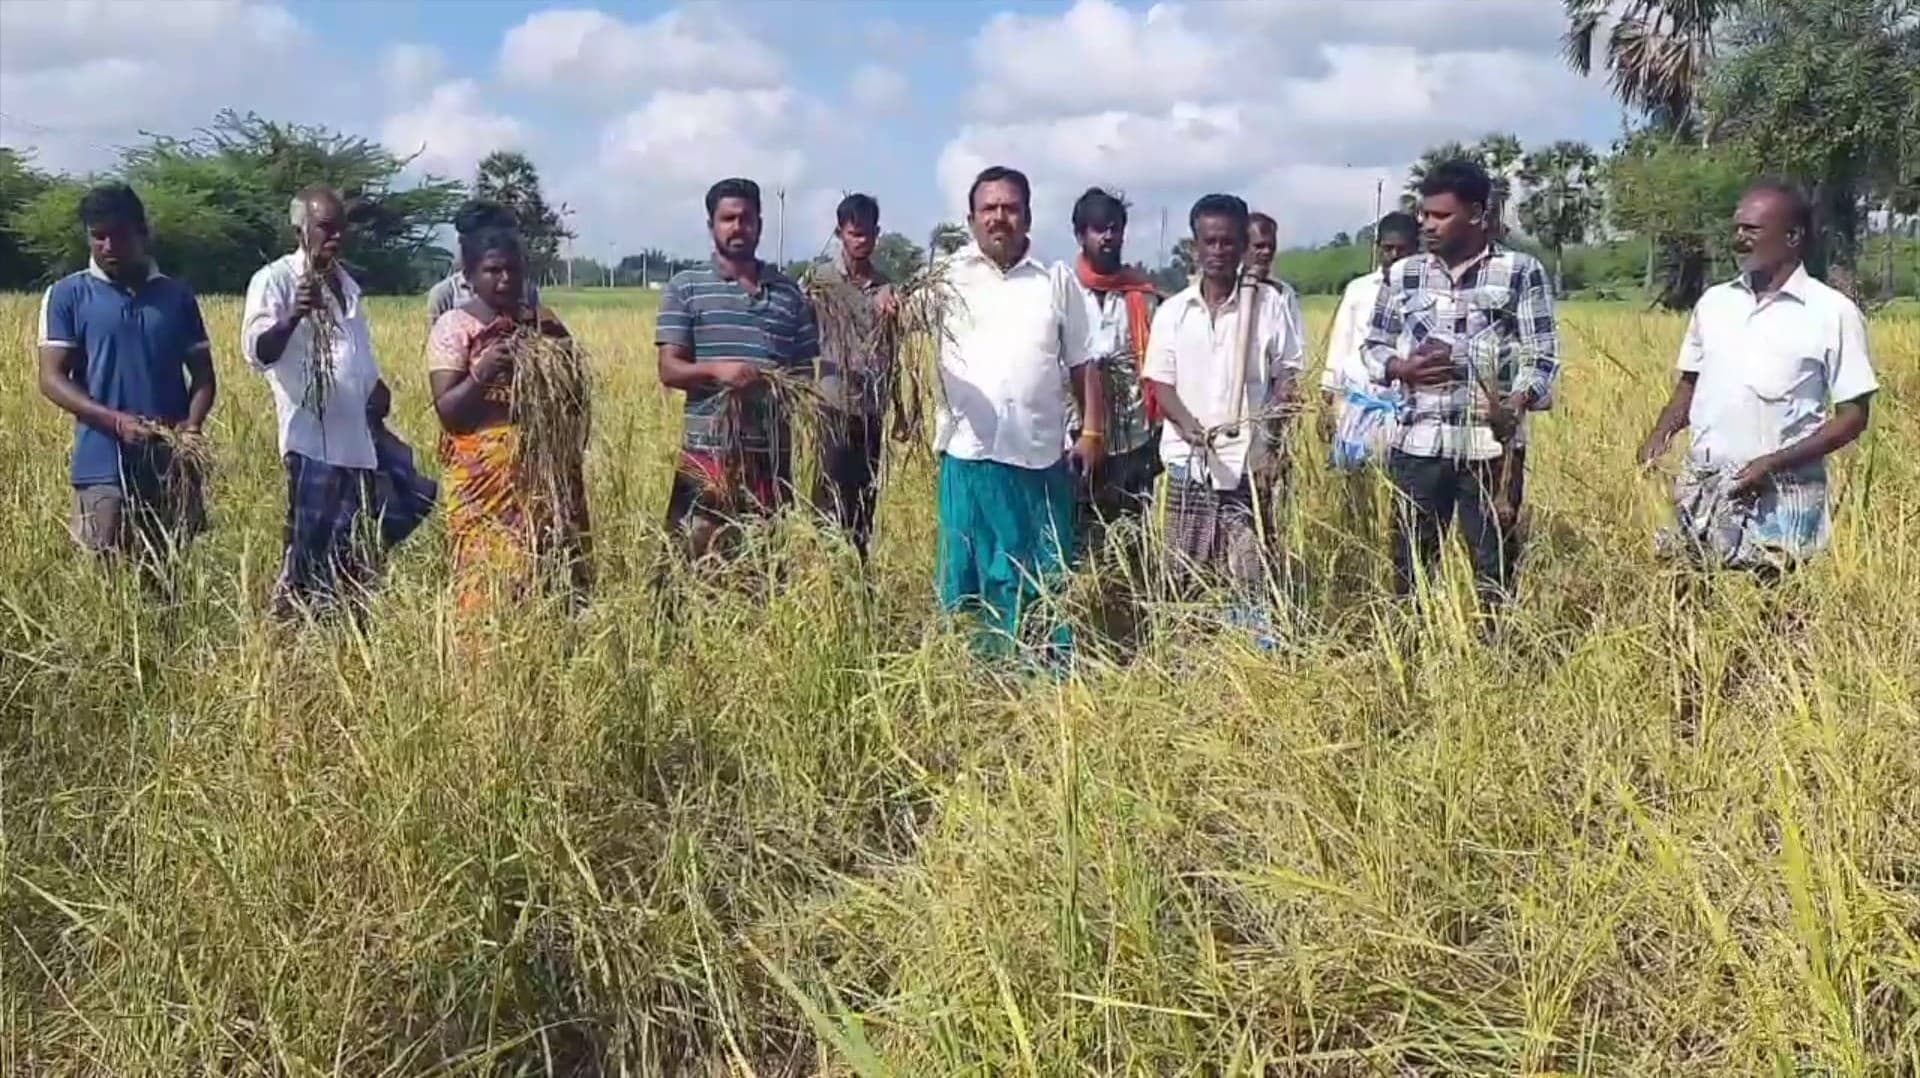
{"x":1432,"y":491}
{"x":848,"y":486}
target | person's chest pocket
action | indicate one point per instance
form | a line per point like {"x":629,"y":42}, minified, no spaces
{"x":1032,"y":325}
{"x":1779,"y":366}
{"x":1424,"y":314}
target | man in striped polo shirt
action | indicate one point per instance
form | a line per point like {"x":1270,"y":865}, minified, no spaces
{"x":723,"y":328}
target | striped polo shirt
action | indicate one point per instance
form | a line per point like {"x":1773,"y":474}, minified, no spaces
{"x":714,"y":317}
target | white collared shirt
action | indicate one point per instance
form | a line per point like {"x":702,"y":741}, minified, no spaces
{"x":1009,"y":340}
{"x":1346,"y":350}
{"x":337,"y":433}
{"x":1771,"y":368}
{"x":1192,"y":349}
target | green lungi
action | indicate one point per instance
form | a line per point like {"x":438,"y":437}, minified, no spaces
{"x":1006,"y":534}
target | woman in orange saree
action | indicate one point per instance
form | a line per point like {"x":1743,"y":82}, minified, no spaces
{"x":506,"y":538}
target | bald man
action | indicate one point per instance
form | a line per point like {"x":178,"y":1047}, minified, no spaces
{"x":1774,"y":377}
{"x":305,"y":328}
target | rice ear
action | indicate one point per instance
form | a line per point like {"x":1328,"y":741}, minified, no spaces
{"x":551,"y":411}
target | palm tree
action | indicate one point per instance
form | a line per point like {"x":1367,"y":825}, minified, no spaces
{"x":1656,"y":54}
{"x":1563,"y":199}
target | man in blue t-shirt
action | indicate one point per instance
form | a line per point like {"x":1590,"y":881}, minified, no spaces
{"x":123,"y":349}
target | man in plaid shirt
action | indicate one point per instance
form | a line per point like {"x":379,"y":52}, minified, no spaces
{"x":1466,"y":330}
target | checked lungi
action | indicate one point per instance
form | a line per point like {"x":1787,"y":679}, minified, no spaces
{"x":1215,"y":533}
{"x":1781,"y":524}
{"x":339,"y":520}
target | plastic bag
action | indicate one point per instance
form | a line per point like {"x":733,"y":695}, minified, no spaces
{"x":1365,"y":431}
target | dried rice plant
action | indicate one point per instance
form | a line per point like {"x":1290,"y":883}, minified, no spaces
{"x":189,"y":462}
{"x":324,"y":323}
{"x":551,"y":409}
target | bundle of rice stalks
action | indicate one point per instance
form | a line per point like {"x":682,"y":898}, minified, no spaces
{"x":324,"y":322}
{"x":189,"y":463}
{"x":551,"y":409}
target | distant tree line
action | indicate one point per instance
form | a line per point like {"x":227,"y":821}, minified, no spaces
{"x":217,"y":203}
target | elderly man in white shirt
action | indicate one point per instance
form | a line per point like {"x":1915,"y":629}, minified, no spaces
{"x":1775,"y":376}
{"x":1013,"y":356}
{"x":305,"y":328}
{"x":1216,"y":402}
{"x":1357,"y":413}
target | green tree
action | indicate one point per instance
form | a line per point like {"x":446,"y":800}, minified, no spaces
{"x":1340,"y":239}
{"x":217,"y":203}
{"x":948,"y":237}
{"x":1563,"y":198}
{"x":20,"y":184}
{"x":1823,"y":90}
{"x":510,"y":178}
{"x":1681,"y":193}
{"x":897,"y":256}
{"x":1183,"y":258}
{"x":1656,"y":54}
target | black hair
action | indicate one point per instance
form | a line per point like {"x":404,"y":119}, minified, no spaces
{"x":1098,"y":206}
{"x":1798,"y":204}
{"x":858,"y":209}
{"x":733,"y":188}
{"x":113,"y":204}
{"x":1460,"y":178}
{"x":478,"y":213}
{"x":1397,"y":224}
{"x":1231,"y":207}
{"x":474,"y":245}
{"x":1265,"y":221}
{"x":999,"y":174}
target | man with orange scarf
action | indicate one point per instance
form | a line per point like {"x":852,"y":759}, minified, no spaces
{"x":1120,"y":304}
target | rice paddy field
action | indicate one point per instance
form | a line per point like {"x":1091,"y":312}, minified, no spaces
{"x":784,"y":824}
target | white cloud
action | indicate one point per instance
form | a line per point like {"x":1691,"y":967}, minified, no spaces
{"x":1097,"y":55}
{"x":408,"y":69}
{"x":878,"y":89}
{"x":656,"y":162}
{"x":451,"y":130}
{"x":79,"y":78}
{"x":1302,"y":105}
{"x":592,"y":54}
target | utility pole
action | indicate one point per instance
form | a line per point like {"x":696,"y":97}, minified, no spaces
{"x":1163,"y":238}
{"x":780,"y":229}
{"x":1373,"y":249}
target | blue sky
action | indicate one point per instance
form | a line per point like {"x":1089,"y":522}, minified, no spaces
{"x":630,"y":110}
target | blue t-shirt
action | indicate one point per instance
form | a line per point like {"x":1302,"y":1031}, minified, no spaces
{"x":135,"y":344}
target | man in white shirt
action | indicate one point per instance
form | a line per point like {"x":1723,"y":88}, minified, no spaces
{"x":305,"y":328}
{"x":1397,"y":236}
{"x":1216,"y":402}
{"x":1013,"y":358}
{"x":1774,"y":377}
{"x":1263,"y":246}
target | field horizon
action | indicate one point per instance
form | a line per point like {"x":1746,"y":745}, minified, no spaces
{"x":784,"y":824}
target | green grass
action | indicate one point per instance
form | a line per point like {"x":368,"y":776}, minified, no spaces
{"x":794,"y":829}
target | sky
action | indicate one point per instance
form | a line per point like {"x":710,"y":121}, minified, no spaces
{"x":631,"y":110}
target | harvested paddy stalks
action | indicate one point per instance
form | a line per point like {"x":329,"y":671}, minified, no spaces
{"x":189,"y":462}
{"x":551,"y":411}
{"x":324,"y":324}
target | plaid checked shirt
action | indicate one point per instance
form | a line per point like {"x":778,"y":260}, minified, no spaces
{"x":1498,"y":314}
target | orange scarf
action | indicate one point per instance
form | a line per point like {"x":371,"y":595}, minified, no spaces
{"x":1138,"y":292}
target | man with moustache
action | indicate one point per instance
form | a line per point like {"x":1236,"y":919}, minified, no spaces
{"x":305,"y":328}
{"x":1120,"y":302}
{"x":1210,"y":447}
{"x":1467,"y":331}
{"x":1013,"y":361}
{"x":722,"y":328}
{"x":1775,"y":376}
